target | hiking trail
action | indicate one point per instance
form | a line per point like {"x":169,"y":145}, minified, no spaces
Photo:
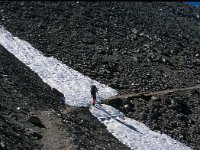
{"x":161,"y":92}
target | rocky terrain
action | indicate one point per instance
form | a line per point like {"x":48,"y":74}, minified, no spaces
{"x":159,"y":41}
{"x":174,"y":113}
{"x":130,"y":46}
{"x":24,"y":95}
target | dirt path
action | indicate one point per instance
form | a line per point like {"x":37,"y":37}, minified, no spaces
{"x":53,"y":136}
{"x":162,"y":92}
{"x":75,"y":128}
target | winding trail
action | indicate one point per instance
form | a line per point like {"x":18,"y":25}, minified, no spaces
{"x":160,"y":92}
{"x":75,"y":88}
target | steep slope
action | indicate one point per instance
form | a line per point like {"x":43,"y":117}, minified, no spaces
{"x":24,"y":94}
{"x":131,"y":46}
{"x":174,"y":113}
{"x":130,"y":132}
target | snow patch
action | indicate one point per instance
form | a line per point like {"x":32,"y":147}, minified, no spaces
{"x":133,"y":133}
{"x":76,"y":89}
{"x":74,"y":85}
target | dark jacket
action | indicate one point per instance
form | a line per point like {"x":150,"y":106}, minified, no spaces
{"x":93,"y":90}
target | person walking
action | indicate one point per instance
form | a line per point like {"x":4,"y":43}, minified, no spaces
{"x":93,"y":92}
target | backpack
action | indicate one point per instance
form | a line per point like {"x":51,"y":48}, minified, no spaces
{"x":93,"y":89}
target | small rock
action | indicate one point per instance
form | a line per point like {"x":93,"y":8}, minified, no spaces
{"x":154,"y":98}
{"x":141,"y":34}
{"x":36,"y":121}
{"x":82,"y":121}
{"x":130,"y":114}
{"x":126,"y":106}
{"x":197,"y":62}
{"x":135,"y":59}
{"x":148,"y":75}
{"x":163,"y":59}
{"x":37,"y":135}
{"x":132,"y":102}
{"x":135,"y":31}
{"x":2,"y":144}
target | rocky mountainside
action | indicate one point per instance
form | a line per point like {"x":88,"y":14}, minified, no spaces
{"x":23,"y":96}
{"x":172,"y":113}
{"x":130,"y":46}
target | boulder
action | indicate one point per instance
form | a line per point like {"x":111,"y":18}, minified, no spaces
{"x":36,"y":121}
{"x":37,"y":135}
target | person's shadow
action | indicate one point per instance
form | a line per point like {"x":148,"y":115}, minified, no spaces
{"x":127,"y":125}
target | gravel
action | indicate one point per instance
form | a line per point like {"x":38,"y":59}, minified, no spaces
{"x":23,"y":94}
{"x":175,"y":114}
{"x":130,"y":46}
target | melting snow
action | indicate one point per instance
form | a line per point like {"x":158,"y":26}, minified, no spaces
{"x":74,"y":85}
{"x":76,"y":89}
{"x":133,"y":133}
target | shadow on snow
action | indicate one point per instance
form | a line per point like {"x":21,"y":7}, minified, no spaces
{"x":114,"y":117}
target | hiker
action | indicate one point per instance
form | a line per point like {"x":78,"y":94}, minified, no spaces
{"x":93,"y":92}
